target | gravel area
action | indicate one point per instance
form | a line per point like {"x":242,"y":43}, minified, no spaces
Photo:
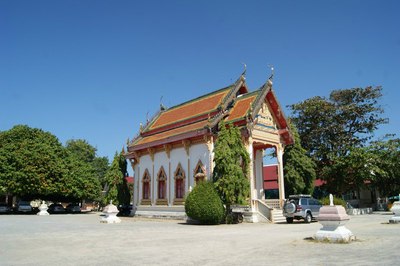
{"x":82,"y":240}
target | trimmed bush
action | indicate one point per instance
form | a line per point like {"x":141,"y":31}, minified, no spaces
{"x":336,"y":201}
{"x":204,"y":205}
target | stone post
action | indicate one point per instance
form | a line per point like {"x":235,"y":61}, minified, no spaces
{"x":43,"y":209}
{"x":110,"y":214}
{"x":396,"y":210}
{"x":333,"y":218}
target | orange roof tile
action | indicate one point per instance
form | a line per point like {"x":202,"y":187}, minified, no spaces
{"x":190,"y":109}
{"x":241,"y":107}
{"x":174,"y":132}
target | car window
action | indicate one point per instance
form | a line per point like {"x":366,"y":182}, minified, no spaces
{"x":303,"y":201}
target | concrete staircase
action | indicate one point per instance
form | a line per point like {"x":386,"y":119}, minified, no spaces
{"x":161,"y":212}
{"x":277,"y":216}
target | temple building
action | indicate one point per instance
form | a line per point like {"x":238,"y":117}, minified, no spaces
{"x":174,"y":149}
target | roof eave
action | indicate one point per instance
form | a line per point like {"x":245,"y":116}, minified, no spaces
{"x":168,"y":140}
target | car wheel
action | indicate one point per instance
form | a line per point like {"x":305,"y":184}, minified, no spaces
{"x":289,"y":220}
{"x":308,"y":218}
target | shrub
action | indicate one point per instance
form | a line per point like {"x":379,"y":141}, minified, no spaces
{"x":336,"y":201}
{"x":204,"y":205}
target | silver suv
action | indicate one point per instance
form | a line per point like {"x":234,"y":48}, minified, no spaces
{"x":301,"y":207}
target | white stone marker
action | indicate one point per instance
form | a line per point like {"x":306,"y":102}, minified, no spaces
{"x":333,"y":218}
{"x":396,"y":210}
{"x":110,"y":212}
{"x":43,"y":209}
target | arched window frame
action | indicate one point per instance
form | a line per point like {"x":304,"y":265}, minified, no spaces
{"x":180,"y":177}
{"x":146,"y":185}
{"x":199,"y":172}
{"x":162,"y":184}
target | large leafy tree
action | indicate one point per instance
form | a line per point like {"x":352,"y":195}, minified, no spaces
{"x":86,"y":170}
{"x":231,"y":166}
{"x":82,"y":180}
{"x":386,"y":158}
{"x":299,"y":168}
{"x":349,"y":172}
{"x":34,"y":164}
{"x":31,"y":162}
{"x":330,"y":128}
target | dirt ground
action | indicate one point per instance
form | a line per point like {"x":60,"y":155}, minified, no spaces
{"x":82,"y":240}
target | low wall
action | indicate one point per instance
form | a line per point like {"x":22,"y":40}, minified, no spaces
{"x":359,"y":211}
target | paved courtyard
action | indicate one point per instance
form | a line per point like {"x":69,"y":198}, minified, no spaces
{"x":83,"y":240}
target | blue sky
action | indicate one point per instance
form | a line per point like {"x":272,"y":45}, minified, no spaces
{"x":95,"y":69}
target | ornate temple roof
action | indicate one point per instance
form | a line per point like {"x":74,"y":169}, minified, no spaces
{"x":200,"y":116}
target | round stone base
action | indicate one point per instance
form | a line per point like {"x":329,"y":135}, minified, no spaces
{"x":43,"y":212}
{"x":111,"y":219}
{"x":338,"y":235}
{"x":394,"y":220}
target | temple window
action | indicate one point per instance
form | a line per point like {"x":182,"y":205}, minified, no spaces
{"x":179,"y":182}
{"x":162,"y":181}
{"x":146,"y":185}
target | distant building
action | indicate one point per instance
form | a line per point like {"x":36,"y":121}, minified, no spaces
{"x":271,"y":186}
{"x":174,"y":149}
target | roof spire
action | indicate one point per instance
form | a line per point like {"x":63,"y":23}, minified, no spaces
{"x":244,"y":71}
{"x":162,"y":106}
{"x":272,"y":72}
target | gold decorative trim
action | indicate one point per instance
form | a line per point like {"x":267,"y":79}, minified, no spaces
{"x":179,"y":201}
{"x":151,"y":153}
{"x":167,"y":148}
{"x":161,"y":202}
{"x":186,"y":144}
{"x":176,"y":173}
{"x":145,"y":202}
{"x":161,"y":176}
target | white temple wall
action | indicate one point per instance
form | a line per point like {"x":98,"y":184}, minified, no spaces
{"x":178,"y":156}
{"x":199,"y":152}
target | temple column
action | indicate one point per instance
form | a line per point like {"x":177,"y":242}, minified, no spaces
{"x":136,"y":180}
{"x":186,"y":145}
{"x":281,"y":182}
{"x":170,"y":179}
{"x":258,"y":161}
{"x":210,"y":147}
{"x":153,"y":179}
{"x":253,"y":191}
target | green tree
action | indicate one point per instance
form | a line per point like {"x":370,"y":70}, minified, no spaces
{"x":203,"y":204}
{"x":330,"y":128}
{"x":298,"y":167}
{"x":124,"y":194}
{"x":349,"y":172}
{"x":386,"y":173}
{"x":81,"y":181}
{"x":85,"y":170}
{"x":82,"y":150}
{"x":101,"y":165}
{"x":30,"y":162}
{"x":231,"y":166}
{"x":117,"y":186}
